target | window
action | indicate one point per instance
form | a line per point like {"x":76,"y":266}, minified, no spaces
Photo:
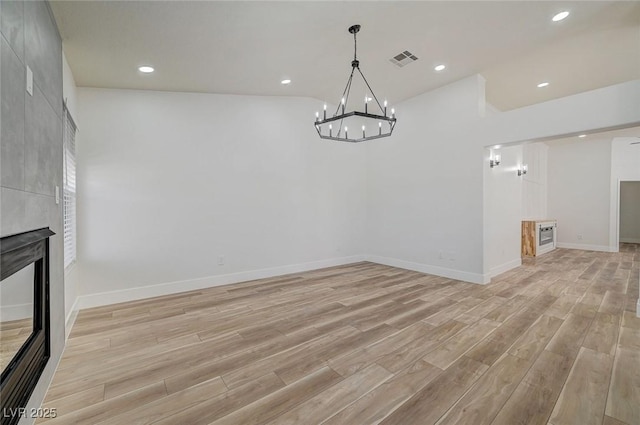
{"x":69,"y":188}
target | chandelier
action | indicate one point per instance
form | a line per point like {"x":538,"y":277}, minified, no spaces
{"x":371,"y":123}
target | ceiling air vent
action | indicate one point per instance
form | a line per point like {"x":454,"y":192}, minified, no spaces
{"x":404,"y":58}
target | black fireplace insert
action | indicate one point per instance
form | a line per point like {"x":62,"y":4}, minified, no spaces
{"x":22,"y":372}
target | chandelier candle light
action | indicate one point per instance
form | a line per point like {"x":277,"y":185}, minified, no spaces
{"x":326,"y":132}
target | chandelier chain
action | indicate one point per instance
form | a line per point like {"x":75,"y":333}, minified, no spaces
{"x":355,"y":47}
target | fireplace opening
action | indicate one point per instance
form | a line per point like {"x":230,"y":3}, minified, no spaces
{"x":16,"y":313}
{"x":24,"y":273}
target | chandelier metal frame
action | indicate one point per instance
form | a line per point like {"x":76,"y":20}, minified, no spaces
{"x":339,"y":115}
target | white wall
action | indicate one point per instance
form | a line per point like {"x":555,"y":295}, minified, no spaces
{"x":578,"y":184}
{"x":71,"y":283}
{"x":426,"y":204}
{"x":503,"y":208}
{"x":509,"y":199}
{"x":608,"y":107}
{"x":425,"y":187}
{"x":69,"y":88}
{"x":630,"y":212}
{"x":583,"y":183}
{"x":170,"y":182}
{"x":534,"y":183}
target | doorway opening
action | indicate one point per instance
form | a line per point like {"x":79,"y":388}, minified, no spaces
{"x":629,"y":216}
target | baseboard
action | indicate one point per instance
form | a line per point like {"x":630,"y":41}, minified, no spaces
{"x":584,"y":247}
{"x":15,"y":312}
{"x":142,"y":292}
{"x":431,"y":269}
{"x":630,"y":240}
{"x":495,"y":271}
{"x":71,"y":318}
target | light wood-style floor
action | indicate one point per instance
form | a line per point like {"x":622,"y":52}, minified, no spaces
{"x":13,"y":334}
{"x":555,"y":341}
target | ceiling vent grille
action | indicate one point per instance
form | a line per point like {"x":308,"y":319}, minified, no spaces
{"x":404,"y":58}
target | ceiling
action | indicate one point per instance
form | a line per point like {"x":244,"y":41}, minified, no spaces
{"x":243,"y":47}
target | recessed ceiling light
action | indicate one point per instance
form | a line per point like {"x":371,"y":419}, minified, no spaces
{"x":285,"y":81}
{"x":541,"y":85}
{"x":560,"y":16}
{"x":439,"y":67}
{"x":582,"y":136}
{"x":146,"y":69}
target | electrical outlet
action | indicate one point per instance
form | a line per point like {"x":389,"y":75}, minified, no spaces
{"x":221,"y":260}
{"x":580,"y":237}
{"x":440,"y":255}
{"x":57,"y":195}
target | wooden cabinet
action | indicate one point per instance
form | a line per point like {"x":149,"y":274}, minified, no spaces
{"x":538,"y":237}
{"x":528,"y":239}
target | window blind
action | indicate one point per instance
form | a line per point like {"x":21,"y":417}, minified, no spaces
{"x":69,"y":188}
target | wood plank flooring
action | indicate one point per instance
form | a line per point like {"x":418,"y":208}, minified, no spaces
{"x":13,"y":334}
{"x":555,"y":341}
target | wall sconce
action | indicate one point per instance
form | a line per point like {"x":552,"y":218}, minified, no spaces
{"x":522,"y":169}
{"x":494,"y":161}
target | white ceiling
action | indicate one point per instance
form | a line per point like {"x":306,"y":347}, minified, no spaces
{"x":248,"y":47}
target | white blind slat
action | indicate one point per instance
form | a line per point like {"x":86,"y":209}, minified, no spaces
{"x":69,"y":190}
